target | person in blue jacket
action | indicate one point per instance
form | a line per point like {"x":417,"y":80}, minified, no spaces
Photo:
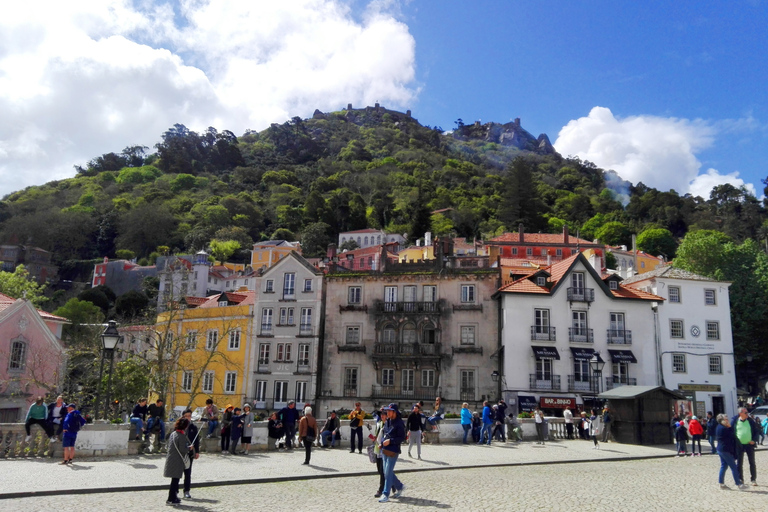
{"x":466,"y":420}
{"x":72,"y":424}
{"x":726,"y":449}
{"x":711,"y":430}
{"x":393,"y":434}
{"x":487,"y":422}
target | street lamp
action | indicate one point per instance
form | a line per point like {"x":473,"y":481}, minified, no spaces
{"x":109,"y":340}
{"x":495,"y":378}
{"x":596,"y":365}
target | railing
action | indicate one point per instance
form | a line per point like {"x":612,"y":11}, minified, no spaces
{"x":542,"y":333}
{"x":615,"y":382}
{"x":581,"y":294}
{"x":266,"y":329}
{"x":263,"y":365}
{"x":588,"y":384}
{"x":407,"y":393}
{"x":619,"y":337}
{"x":12,"y":445}
{"x":546,"y":382}
{"x":581,"y":335}
{"x":467,"y":394}
{"x":407,"y":349}
{"x":350,"y":391}
{"x":305,"y":329}
{"x":408,"y":307}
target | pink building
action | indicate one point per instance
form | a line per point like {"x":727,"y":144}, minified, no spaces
{"x":32,"y":356}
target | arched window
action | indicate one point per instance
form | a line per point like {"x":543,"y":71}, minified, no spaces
{"x":429,"y":334}
{"x":358,"y":242}
{"x":366,"y":242}
{"x":409,"y":333}
{"x":378,"y":240}
{"x":18,"y":358}
{"x":343,"y":239}
{"x":388,"y":334}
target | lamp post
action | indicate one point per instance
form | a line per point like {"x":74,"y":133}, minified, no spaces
{"x":109,"y":339}
{"x":596,"y":364}
{"x":495,"y":378}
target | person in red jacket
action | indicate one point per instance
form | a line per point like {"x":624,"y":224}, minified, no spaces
{"x":696,"y":430}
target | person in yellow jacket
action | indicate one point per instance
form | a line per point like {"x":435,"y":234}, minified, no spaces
{"x":356,"y":418}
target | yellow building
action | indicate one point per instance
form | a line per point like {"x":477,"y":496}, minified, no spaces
{"x":266,"y":254}
{"x":212,"y":349}
{"x":416,"y":253}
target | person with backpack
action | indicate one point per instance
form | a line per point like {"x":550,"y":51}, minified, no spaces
{"x":307,"y":432}
{"x":177,"y":459}
{"x":72,"y":424}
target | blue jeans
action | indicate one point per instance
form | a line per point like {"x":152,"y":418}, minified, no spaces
{"x":151,"y":424}
{"x":390,"y":479}
{"x":212,"y":424}
{"x":467,"y":427}
{"x":324,"y":435}
{"x":139,"y":426}
{"x":711,"y":440}
{"x":486,"y":428}
{"x":727,"y":460}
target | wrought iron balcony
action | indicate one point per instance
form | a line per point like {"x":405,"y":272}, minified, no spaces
{"x":542,"y":333}
{"x":305,"y":330}
{"x":619,"y":337}
{"x":580,"y":335}
{"x":467,"y":394}
{"x":615,"y":382}
{"x":407,"y":349}
{"x":408,"y":308}
{"x":581,"y":294}
{"x":544,"y":382}
{"x":405,"y":393}
{"x":266,"y":330}
{"x":584,"y":384}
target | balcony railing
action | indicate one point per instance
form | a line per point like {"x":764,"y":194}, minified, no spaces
{"x":407,"y":349}
{"x":405,"y":393}
{"x":305,"y":330}
{"x":542,"y":333}
{"x":263,"y":365}
{"x":467,"y":394}
{"x":619,"y":337}
{"x":615,"y":382}
{"x":350,"y":391}
{"x":545,"y":382}
{"x":584,"y":384}
{"x":580,"y":335}
{"x":408,"y":308}
{"x":266,"y":329}
{"x":581,"y":294}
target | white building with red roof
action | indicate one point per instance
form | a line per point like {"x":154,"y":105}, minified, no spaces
{"x":368,"y":237}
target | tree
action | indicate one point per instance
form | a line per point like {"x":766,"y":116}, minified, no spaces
{"x":101,"y":296}
{"x":17,"y":284}
{"x":613,"y":233}
{"x":702,"y":252}
{"x":349,"y":245}
{"x":521,"y":203}
{"x":658,"y":242}
{"x":131,"y":304}
{"x":223,"y":249}
{"x":315,"y":240}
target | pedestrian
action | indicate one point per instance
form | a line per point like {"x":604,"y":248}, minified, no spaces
{"x":438,"y":413}
{"x":288,"y":417}
{"x":584,"y":426}
{"x":595,"y":426}
{"x":747,"y":437}
{"x":235,"y":430}
{"x":568,"y":418}
{"x":356,"y":418}
{"x":392,"y":437}
{"x":57,"y":411}
{"x":759,"y":426}
{"x":176,"y":459}
{"x":37,"y":414}
{"x":606,"y":424}
{"x":73,"y":422}
{"x":414,"y":431}
{"x":247,"y":428}
{"x":477,"y":427}
{"x":307,"y":433}
{"x":487,"y":423}
{"x":378,"y":432}
{"x":696,"y":431}
{"x":711,"y":430}
{"x":727,"y":447}
{"x":139,"y":416}
{"x":193,"y":434}
{"x":466,"y":420}
{"x":681,"y":436}
{"x":211,"y":415}
{"x":226,"y":423}
{"x":498,"y":424}
{"x":156,"y":413}
{"x":330,"y":431}
{"x":673,"y":425}
{"x":538,"y":416}
{"x":765,"y":429}
{"x":274,"y":432}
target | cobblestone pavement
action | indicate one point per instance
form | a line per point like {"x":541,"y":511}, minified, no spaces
{"x":665,"y":483}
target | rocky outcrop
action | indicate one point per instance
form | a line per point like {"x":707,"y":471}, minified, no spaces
{"x":509,"y":134}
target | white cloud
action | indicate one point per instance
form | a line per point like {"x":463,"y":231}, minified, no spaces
{"x":78,"y":79}
{"x":659,"y":151}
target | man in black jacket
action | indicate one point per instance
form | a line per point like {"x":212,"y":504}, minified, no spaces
{"x":711,"y":430}
{"x":156,"y":414}
{"x":289,"y":416}
{"x":193,"y":434}
{"x":330,"y":430}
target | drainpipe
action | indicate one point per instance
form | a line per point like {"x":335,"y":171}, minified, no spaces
{"x":657,"y":343}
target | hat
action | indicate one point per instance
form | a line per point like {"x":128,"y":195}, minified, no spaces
{"x":334,"y":412}
{"x":695,"y":418}
{"x":246,"y":405}
{"x":229,"y":406}
{"x":237,"y":408}
{"x":392,"y":407}
{"x":74,"y":406}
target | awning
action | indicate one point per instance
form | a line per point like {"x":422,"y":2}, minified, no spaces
{"x":546,"y":353}
{"x":582,"y":353}
{"x":527,"y":403}
{"x":622,"y":356}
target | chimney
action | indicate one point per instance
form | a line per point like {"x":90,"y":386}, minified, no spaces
{"x":427,"y":239}
{"x":520,"y":232}
{"x":331,"y":252}
{"x":565,"y":234}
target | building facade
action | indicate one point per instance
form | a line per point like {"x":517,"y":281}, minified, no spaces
{"x":370,"y":237}
{"x":543,"y":248}
{"x":267,"y":253}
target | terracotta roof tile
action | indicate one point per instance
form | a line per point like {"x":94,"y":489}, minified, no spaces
{"x":538,"y":238}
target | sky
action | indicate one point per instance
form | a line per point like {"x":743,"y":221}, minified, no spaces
{"x":672,"y":94}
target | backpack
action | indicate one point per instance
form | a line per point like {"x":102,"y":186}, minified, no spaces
{"x":74,"y":423}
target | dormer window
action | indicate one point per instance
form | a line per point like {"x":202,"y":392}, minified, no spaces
{"x":613,"y":285}
{"x":541,"y":281}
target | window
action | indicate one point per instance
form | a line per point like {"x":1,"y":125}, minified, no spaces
{"x":387,"y":377}
{"x":409,"y":298}
{"x":620,"y":373}
{"x":406,"y":381}
{"x":283,"y":352}
{"x":429,"y":334}
{"x":191,"y":343}
{"x":709,"y":298}
{"x":354,"y":294}
{"x":467,"y":384}
{"x":467,"y":334}
{"x":581,"y":370}
{"x":301,"y":392}
{"x":390,"y":298}
{"x":579,"y":323}
{"x":541,"y":281}
{"x":573,"y":251}
{"x":529,"y":251}
{"x":186,"y":381}
{"x":353,"y":335}
{"x":577,"y":281}
{"x":676,"y":328}
{"x":409,"y":333}
{"x":430,"y":293}
{"x":388,"y":334}
{"x":307,"y":285}
{"x":212,"y":340}
{"x":468,"y":293}
{"x":713,"y":330}
{"x":543,"y":369}
{"x":617,"y":324}
{"x":289,"y":286}
{"x":613,"y":285}
{"x":304,"y":354}
{"x":541,"y":321}
{"x":208,"y":378}
{"x":223,"y":303}
{"x":427,"y":378}
{"x":674,"y":294}
{"x":350,"y":382}
{"x":261,"y":391}
{"x":266,"y":321}
{"x":678,"y":363}
{"x":715,"y":365}
{"x":281,"y":391}
{"x":306,"y":321}
{"x":230,"y":382}
{"x":286,"y":316}
{"x":269,"y":287}
{"x":514,"y":251}
{"x":559,"y":252}
{"x":264,"y":353}
{"x":234,"y":340}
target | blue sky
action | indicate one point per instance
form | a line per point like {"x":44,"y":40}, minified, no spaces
{"x":672,"y":94}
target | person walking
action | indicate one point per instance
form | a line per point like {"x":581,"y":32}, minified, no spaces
{"x":765,"y":429}
{"x":226,"y":423}
{"x":466,"y":421}
{"x":37,"y":414}
{"x":595,"y":425}
{"x":696,"y":431}
{"x":138,"y":417}
{"x":487,"y":423}
{"x":414,"y":431}
{"x":307,"y":433}
{"x":211,"y":415}
{"x":747,"y":437}
{"x":727,"y":447}
{"x":176,"y":459}
{"x":57,"y":411}
{"x":247,"y":429}
{"x":356,"y":418}
{"x":568,"y":418}
{"x":376,"y":435}
{"x":711,"y":430}
{"x":498,"y":424}
{"x":538,"y":416}
{"x":583,"y":426}
{"x":235,"y":430}
{"x":193,"y":434}
{"x":392,"y":438}
{"x":607,"y":424}
{"x":73,"y":422}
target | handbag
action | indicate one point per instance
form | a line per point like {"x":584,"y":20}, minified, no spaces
{"x":185,"y":458}
{"x":310,"y":436}
{"x":372,"y":453}
{"x":388,"y":453}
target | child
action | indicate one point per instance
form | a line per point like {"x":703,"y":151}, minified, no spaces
{"x":72,"y":423}
{"x":681,"y":435}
